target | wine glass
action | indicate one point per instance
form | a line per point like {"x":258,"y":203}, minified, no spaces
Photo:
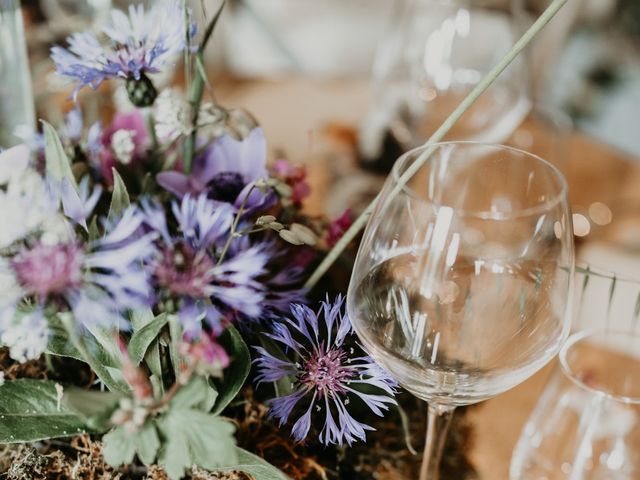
{"x":587,"y":423}
{"x":434,"y":53}
{"x":461,"y":286}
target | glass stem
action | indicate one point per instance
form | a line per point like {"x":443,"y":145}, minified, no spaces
{"x":437,"y":428}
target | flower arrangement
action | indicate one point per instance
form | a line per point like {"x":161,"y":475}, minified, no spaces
{"x":166,"y":256}
{"x":163,"y":252}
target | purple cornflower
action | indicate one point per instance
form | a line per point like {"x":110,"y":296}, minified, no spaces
{"x":79,"y":204}
{"x":325,"y":372}
{"x":97,"y":280}
{"x":139,"y":43}
{"x":187,"y":267}
{"x":226,"y":172}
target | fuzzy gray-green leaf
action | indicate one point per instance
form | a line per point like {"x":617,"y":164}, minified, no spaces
{"x":236,"y":373}
{"x":119,"y":198}
{"x":197,"y":394}
{"x":58,"y":165}
{"x":141,"y":339}
{"x":255,"y":466}
{"x":33,"y":410}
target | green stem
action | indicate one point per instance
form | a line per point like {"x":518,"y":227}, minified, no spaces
{"x":234,"y":227}
{"x":197,"y":89}
{"x":151,"y":126}
{"x":438,"y":135}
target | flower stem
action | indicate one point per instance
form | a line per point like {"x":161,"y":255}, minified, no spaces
{"x":437,"y":136}
{"x":151,"y":126}
{"x":234,"y":226}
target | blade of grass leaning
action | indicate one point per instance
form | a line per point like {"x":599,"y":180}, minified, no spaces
{"x":437,"y":136}
{"x":197,"y":89}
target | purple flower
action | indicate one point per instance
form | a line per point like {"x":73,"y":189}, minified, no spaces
{"x":325,"y":373}
{"x":226,"y":172}
{"x":139,"y":43}
{"x":98,"y":280}
{"x":79,"y":204}
{"x":186,"y":265}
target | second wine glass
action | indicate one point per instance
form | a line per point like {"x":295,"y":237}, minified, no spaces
{"x":462,"y":282}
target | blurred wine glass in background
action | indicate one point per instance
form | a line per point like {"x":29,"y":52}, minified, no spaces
{"x":16,"y":99}
{"x":433,"y":54}
{"x":586,"y":425}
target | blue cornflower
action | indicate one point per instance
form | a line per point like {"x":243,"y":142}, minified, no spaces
{"x":97,"y":281}
{"x":325,"y":372}
{"x":187,"y":265}
{"x":139,"y":43}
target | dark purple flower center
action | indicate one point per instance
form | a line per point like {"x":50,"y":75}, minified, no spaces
{"x":226,"y":186}
{"x":184,"y":271}
{"x":326,"y":372}
{"x":49,"y":269}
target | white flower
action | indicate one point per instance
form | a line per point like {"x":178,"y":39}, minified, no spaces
{"x":123,"y":145}
{"x":172,"y":116}
{"x":25,"y":205}
{"x":26,"y":336}
{"x":13,"y":162}
{"x":10,"y":291}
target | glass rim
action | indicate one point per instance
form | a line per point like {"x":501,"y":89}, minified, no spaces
{"x":570,"y":374}
{"x":484,"y":215}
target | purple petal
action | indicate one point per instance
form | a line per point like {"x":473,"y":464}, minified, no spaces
{"x":303,"y":424}
{"x":174,"y":182}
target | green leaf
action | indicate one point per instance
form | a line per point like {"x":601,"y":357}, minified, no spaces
{"x":196,"y":394}
{"x":59,"y":343}
{"x":94,"y":231}
{"x":175,"y":331}
{"x":88,"y":349}
{"x":119,"y":198}
{"x":142,"y":339}
{"x":33,"y":410}
{"x":120,"y":446}
{"x":153,"y":362}
{"x":237,"y":372}
{"x":95,"y":407}
{"x":90,"y":403}
{"x":58,"y":165}
{"x":195,"y":437}
{"x":211,"y":27}
{"x":612,"y":290}
{"x":141,"y":317}
{"x":255,"y":466}
{"x":148,"y":443}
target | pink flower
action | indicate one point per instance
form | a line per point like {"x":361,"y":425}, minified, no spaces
{"x":49,"y":269}
{"x":295,"y":176}
{"x":206,"y":354}
{"x":125,"y":141}
{"x":338,"y":227}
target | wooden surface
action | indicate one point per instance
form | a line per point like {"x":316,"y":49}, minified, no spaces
{"x":295,"y":113}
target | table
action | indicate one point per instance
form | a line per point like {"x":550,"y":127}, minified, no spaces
{"x":294,"y":113}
